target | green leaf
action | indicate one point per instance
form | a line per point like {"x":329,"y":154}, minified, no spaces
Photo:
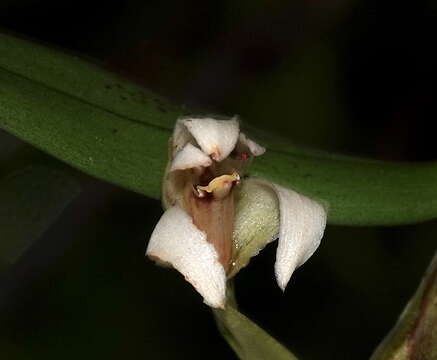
{"x":83,"y":115}
{"x":415,"y":334}
{"x":357,"y":191}
{"x":31,"y":199}
{"x":247,"y":339}
{"x":117,"y":131}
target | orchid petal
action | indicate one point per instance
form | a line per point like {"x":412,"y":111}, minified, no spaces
{"x":256,"y":221}
{"x":181,"y":137}
{"x":178,"y":242}
{"x":189,"y":157}
{"x":254,"y":148}
{"x":302,"y":223}
{"x":216,"y":138}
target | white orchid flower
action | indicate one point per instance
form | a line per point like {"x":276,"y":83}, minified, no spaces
{"x":216,"y":219}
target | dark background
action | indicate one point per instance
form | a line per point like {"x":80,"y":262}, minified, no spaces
{"x":349,"y":76}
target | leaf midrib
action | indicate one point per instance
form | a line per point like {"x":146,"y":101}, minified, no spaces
{"x":81,"y":100}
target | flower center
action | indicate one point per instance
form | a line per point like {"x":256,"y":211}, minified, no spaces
{"x":212,"y":208}
{"x":219,"y":187}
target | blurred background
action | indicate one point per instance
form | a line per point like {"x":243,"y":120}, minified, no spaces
{"x":349,"y":76}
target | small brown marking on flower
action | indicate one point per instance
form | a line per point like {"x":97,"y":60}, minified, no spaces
{"x":215,"y":154}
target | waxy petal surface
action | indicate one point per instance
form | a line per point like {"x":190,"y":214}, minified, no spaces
{"x":216,"y":138}
{"x":181,"y":137}
{"x":302,"y":223}
{"x":189,"y":157}
{"x":178,"y":242}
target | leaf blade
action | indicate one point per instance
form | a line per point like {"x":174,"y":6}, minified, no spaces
{"x":61,"y":105}
{"x":84,"y":81}
{"x":358,"y":191}
{"x":91,"y":139}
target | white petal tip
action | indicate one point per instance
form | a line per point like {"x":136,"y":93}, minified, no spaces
{"x":283,"y":275}
{"x":302,"y":223}
{"x":178,"y":242}
{"x":190,"y":157}
{"x":216,"y":138}
{"x":254,"y":148}
{"x":216,"y":304}
{"x":282,"y":285}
